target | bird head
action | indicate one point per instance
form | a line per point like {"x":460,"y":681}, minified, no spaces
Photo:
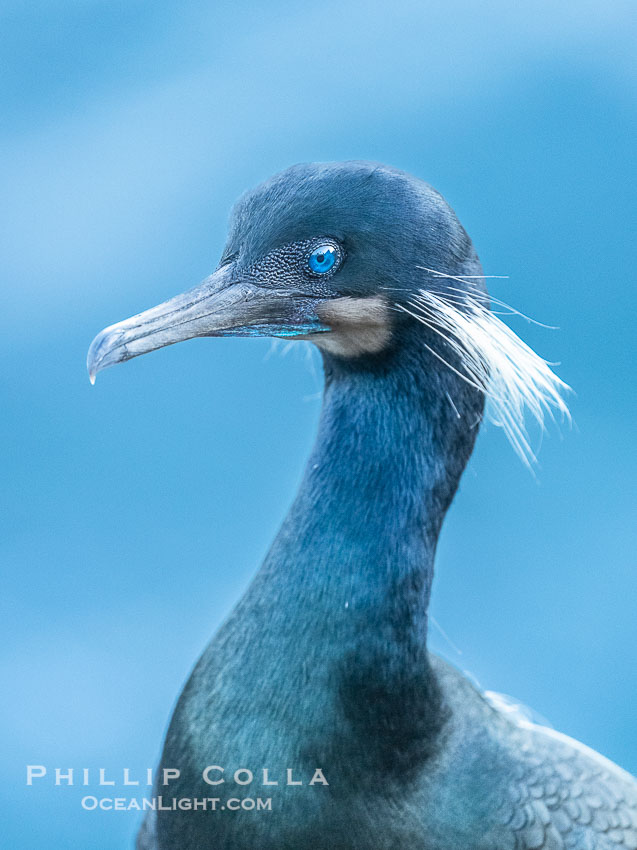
{"x":321,"y":252}
{"x":362,"y":260}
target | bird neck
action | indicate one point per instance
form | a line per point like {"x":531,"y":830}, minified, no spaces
{"x":349,"y":575}
{"x":335,"y":622}
{"x":392,"y":443}
{"x":360,"y":537}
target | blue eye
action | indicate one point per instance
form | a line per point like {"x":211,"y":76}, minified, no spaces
{"x":323,"y":259}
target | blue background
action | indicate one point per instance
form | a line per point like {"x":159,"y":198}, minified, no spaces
{"x":134,"y":513}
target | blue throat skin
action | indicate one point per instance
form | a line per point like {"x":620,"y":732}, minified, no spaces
{"x":323,"y":663}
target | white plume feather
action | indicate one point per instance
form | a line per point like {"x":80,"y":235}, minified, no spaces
{"x":492,"y":358}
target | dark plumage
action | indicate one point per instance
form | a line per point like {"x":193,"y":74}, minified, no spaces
{"x":323,"y":663}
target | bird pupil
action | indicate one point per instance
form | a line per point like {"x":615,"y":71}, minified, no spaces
{"x":320,"y":258}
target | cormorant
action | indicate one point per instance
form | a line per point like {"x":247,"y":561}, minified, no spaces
{"x":321,"y":674}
